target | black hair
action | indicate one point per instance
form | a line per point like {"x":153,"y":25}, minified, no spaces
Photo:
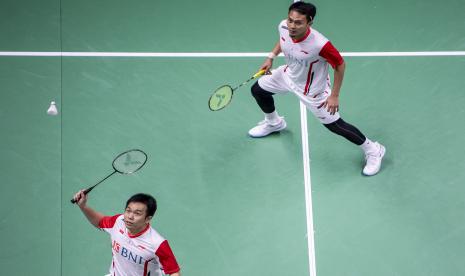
{"x":146,"y":199}
{"x":307,"y":9}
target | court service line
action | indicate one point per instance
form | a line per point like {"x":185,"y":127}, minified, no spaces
{"x":219,"y":54}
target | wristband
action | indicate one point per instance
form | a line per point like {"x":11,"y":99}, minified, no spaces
{"x":271,"y":55}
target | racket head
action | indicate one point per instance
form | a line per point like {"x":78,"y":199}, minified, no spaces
{"x":129,"y":161}
{"x":220,"y":98}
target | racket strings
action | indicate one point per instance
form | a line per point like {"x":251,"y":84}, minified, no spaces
{"x":223,"y":95}
{"x":130,"y":161}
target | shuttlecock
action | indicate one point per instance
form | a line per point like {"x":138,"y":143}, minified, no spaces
{"x":52,"y":110}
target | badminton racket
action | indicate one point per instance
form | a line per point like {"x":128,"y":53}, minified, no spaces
{"x":125,"y":163}
{"x":223,"y":94}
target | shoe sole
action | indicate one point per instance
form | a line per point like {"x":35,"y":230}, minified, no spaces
{"x":383,"y":152}
{"x":278,"y":130}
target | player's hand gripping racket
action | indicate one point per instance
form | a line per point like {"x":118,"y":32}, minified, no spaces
{"x":223,"y":95}
{"x":126,"y":163}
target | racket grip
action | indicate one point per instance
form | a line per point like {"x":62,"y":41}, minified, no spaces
{"x":85,"y":192}
{"x":259,"y":73}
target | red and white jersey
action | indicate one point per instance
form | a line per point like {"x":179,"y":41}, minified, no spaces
{"x":146,"y":253}
{"x":307,"y":61}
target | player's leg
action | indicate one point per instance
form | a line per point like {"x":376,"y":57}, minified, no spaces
{"x":374,"y":151}
{"x":264,"y":98}
{"x":263,"y":91}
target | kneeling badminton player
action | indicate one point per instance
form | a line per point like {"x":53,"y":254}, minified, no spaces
{"x":137,"y":248}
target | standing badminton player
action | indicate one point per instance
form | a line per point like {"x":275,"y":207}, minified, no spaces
{"x":305,"y":74}
{"x":137,"y":248}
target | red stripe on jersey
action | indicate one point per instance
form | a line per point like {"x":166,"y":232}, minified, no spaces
{"x":108,"y":222}
{"x":146,"y":264}
{"x":331,"y":54}
{"x":167,"y":259}
{"x":303,"y":38}
{"x":140,"y":233}
{"x":309,"y":78}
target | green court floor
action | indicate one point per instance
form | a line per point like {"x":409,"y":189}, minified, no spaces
{"x":229,"y":204}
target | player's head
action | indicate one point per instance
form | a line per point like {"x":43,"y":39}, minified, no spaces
{"x":306,"y":9}
{"x":139,"y":210}
{"x":148,"y":200}
{"x":145,"y":199}
{"x":299,"y":19}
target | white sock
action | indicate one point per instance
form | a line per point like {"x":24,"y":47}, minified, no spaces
{"x":368,"y":146}
{"x":272,"y":117}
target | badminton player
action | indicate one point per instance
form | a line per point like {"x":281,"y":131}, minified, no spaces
{"x":137,"y":248}
{"x":305,"y":74}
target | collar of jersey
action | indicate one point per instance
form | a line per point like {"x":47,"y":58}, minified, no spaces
{"x":303,"y":38}
{"x":140,"y":233}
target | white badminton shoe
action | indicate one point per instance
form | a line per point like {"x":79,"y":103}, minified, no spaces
{"x":265,"y":128}
{"x":374,"y":160}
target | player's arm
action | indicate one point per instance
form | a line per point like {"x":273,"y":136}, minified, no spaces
{"x":92,"y":216}
{"x":332,"y":55}
{"x":269,"y":60}
{"x":338,"y":77}
{"x":167,"y":259}
{"x":332,"y":103}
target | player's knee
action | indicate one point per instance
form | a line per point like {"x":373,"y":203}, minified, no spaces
{"x":256,"y":90}
{"x":259,"y":92}
{"x":334,"y":127}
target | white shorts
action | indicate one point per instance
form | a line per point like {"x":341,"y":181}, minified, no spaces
{"x":277,"y":83}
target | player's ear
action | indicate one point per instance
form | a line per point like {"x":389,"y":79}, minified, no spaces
{"x":148,"y":218}
{"x":310,"y":22}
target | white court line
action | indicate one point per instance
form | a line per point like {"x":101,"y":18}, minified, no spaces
{"x":303,"y":109}
{"x":128,"y":54}
{"x":218,"y":54}
{"x":308,"y":190}
{"x":403,"y":54}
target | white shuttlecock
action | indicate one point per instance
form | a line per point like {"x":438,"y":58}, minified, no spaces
{"x":52,"y":110}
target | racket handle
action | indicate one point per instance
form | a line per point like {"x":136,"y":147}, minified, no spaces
{"x":259,"y":73}
{"x":85,"y":192}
